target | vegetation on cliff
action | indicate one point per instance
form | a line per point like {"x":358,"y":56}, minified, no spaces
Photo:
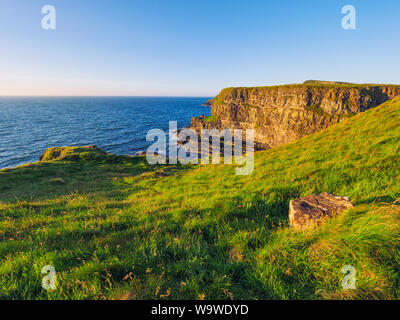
{"x":116,"y":227}
{"x":310,"y":84}
{"x":211,"y":119}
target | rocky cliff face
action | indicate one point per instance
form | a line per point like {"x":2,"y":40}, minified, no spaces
{"x":282,"y":114}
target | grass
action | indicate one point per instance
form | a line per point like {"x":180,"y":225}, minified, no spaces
{"x":117,"y":228}
{"x":332,"y":85}
{"x":212,"y":119}
{"x":219,"y":100}
{"x":230,"y":93}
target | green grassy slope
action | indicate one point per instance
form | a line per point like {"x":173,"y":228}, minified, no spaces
{"x":315,"y":84}
{"x":116,"y":227}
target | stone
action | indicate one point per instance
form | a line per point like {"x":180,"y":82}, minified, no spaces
{"x":314,"y":209}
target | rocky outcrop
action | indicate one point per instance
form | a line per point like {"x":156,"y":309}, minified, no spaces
{"x":70,"y":153}
{"x":314,"y":209}
{"x":282,"y":114}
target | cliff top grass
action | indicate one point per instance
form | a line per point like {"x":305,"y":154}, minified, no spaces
{"x":124,"y":229}
{"x":309,"y":84}
{"x":319,"y":84}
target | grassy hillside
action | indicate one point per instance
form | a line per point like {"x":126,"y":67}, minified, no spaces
{"x":116,"y":227}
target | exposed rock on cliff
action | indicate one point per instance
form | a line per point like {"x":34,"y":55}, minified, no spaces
{"x":314,"y":209}
{"x":281,"y":114}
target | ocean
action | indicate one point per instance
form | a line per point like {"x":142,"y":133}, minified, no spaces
{"x":30,"y":125}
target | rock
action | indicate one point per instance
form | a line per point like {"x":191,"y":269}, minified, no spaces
{"x":208,"y":103}
{"x":140,"y":153}
{"x":314,"y":209}
{"x":73,"y":153}
{"x":144,"y":153}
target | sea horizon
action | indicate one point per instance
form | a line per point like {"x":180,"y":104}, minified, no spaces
{"x":105,"y":96}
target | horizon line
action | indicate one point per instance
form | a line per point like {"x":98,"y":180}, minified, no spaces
{"x":99,"y":96}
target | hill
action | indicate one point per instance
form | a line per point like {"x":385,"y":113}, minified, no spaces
{"x":116,"y":227}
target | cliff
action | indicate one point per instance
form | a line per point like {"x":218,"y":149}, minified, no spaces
{"x":281,"y":114}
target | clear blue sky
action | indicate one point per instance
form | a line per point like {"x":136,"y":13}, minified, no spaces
{"x":192,"y":47}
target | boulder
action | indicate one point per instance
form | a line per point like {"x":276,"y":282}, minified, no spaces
{"x":314,"y":209}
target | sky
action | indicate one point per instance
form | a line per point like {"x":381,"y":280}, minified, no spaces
{"x":192,"y":47}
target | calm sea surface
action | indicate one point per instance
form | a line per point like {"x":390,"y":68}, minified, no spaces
{"x":119,"y":125}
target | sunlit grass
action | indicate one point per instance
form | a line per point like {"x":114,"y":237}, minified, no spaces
{"x":116,"y":227}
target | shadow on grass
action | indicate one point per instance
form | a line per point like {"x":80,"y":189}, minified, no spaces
{"x":49,"y":180}
{"x":272,"y":203}
{"x":386,"y":199}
